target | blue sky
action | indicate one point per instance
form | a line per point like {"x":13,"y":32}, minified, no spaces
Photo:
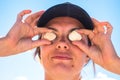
{"x":24,"y":66}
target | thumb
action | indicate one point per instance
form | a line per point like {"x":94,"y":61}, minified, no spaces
{"x":82,"y":46}
{"x":38,"y":43}
{"x":91,"y":51}
{"x":22,"y":13}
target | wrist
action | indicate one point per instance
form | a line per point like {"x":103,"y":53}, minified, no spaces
{"x":114,"y":65}
{"x":6,"y":46}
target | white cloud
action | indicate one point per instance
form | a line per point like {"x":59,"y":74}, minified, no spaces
{"x":101,"y":76}
{"x":21,"y":78}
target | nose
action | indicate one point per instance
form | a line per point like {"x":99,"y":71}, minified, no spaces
{"x":62,"y":46}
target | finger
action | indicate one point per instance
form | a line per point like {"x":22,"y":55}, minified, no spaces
{"x":109,"y":27}
{"x":89,"y":33}
{"x":33,"y":17}
{"x":82,"y":46}
{"x":88,"y":50}
{"x":34,"y":23}
{"x":21,"y":14}
{"x":41,"y":30}
{"x":98,"y":27}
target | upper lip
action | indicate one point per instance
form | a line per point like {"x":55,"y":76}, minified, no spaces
{"x":62,"y":56}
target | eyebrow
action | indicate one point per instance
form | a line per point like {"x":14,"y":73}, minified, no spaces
{"x":52,"y":28}
{"x":74,"y":29}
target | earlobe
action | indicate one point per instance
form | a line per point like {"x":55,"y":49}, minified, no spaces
{"x":87,"y":60}
{"x":39,"y":59}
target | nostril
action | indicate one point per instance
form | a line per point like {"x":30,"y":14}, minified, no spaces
{"x":65,"y":47}
{"x":58,"y":46}
{"x":62,"y":46}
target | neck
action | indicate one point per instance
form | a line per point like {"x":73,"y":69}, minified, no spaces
{"x":58,"y":77}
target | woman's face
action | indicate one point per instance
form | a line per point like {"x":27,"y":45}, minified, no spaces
{"x":62,"y":58}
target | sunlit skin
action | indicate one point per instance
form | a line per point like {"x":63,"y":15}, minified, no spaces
{"x":62,"y":60}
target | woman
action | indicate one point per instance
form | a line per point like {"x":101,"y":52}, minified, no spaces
{"x":62,"y":57}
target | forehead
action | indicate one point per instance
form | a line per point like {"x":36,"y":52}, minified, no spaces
{"x":64,"y":22}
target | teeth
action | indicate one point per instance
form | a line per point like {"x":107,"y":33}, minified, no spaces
{"x":73,"y":36}
{"x":49,"y":36}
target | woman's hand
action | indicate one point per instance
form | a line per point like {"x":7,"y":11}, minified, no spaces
{"x":102,"y":50}
{"x":19,"y":38}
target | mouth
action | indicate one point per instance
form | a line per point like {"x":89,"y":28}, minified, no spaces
{"x":62,"y":56}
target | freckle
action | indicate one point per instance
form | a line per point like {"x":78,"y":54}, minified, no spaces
{"x":72,"y":65}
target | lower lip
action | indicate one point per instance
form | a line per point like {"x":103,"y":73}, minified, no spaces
{"x":62,"y":58}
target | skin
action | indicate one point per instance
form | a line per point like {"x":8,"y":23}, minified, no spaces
{"x":62,"y":60}
{"x":19,"y":38}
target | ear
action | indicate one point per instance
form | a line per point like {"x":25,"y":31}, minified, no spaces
{"x":40,"y":60}
{"x":38,"y":55}
{"x":87,"y":59}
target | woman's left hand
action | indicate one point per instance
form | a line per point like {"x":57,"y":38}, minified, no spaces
{"x":101,"y":51}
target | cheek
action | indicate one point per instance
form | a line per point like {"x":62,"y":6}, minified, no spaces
{"x":44,"y":56}
{"x":45,"y":52}
{"x":79,"y":56}
{"x":80,"y":63}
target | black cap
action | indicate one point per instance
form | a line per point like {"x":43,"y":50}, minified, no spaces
{"x":66,"y":10}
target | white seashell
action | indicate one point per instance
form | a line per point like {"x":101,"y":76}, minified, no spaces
{"x":74,"y":36}
{"x":105,"y":29}
{"x":49,"y":36}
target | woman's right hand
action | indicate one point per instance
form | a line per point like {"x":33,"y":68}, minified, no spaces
{"x":19,"y":38}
